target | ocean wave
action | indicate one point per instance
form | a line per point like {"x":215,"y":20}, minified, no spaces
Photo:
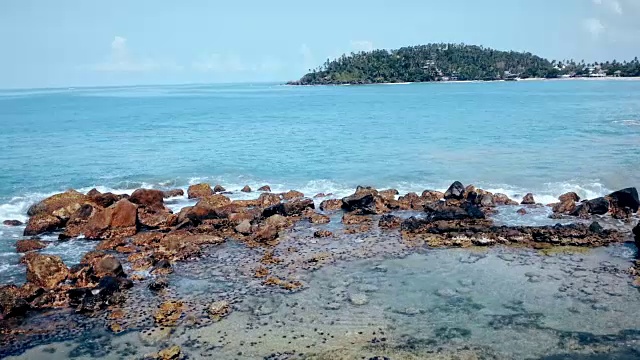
{"x":627,"y":122}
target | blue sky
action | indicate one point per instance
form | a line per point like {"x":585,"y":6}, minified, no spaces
{"x":84,"y":43}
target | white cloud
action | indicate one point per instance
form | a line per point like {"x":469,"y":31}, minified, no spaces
{"x":594,"y":26}
{"x":611,"y":5}
{"x":361,"y":45}
{"x":120,"y":60}
{"x":231,"y":63}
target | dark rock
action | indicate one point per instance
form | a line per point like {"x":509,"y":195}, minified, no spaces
{"x":266,"y":234}
{"x":158,"y":284}
{"x":528,"y":200}
{"x":443,"y":211}
{"x":413,"y":224}
{"x":23,"y":246}
{"x":597,"y":206}
{"x":290,"y":208}
{"x":265,"y":188}
{"x":625,"y":198}
{"x":522,"y":211}
{"x":199,"y":191}
{"x":595,"y":227}
{"x":365,"y":200}
{"x":246,"y":189}
{"x":172,"y":193}
{"x":455,"y":191}
{"x":106,"y":199}
{"x":12,"y":223}
{"x":389,"y":221}
{"x":636,"y":233}
{"x":162,"y":266}
{"x":219,"y":188}
{"x":322,"y":234}
{"x":11,"y":302}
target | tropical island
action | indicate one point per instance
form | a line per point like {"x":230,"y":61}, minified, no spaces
{"x":455,"y":62}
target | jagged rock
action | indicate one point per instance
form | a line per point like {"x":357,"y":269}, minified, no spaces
{"x":47,"y":271}
{"x":444,"y":211}
{"x":389,"y":221}
{"x":246,"y":189}
{"x":151,"y":218}
{"x":331,"y":205}
{"x":294,"y":207}
{"x":161,"y":267}
{"x":570,"y":196}
{"x":171,"y":353}
{"x":219,"y":189}
{"x":42,"y":223}
{"x":265,"y":188}
{"x":153,"y":199}
{"x":292,"y":194}
{"x":528,"y":200}
{"x":322,"y":234}
{"x":12,"y":223}
{"x":366,"y":200}
{"x":23,"y":246}
{"x":244,"y":227}
{"x":118,"y":220}
{"x":172,"y":193}
{"x":455,"y":191}
{"x":596,"y":228}
{"x":169,"y":313}
{"x":430,"y":196}
{"x":199,"y":191}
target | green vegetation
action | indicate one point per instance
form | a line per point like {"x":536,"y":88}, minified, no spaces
{"x":443,"y":62}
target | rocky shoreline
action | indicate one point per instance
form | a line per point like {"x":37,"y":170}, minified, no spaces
{"x":140,"y":243}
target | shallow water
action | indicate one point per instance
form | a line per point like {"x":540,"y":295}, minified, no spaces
{"x":498,"y":303}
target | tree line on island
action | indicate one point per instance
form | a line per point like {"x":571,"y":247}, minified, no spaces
{"x":451,"y":62}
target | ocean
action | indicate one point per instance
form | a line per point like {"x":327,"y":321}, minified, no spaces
{"x":544,"y":137}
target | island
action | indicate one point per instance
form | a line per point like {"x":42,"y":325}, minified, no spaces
{"x":454,"y":62}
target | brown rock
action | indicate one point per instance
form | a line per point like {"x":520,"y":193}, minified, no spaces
{"x":322,"y":234}
{"x":316,"y":218}
{"x":219,"y":309}
{"x":265,"y":188}
{"x":331,"y":205}
{"x":106,"y":199}
{"x":389,"y":221}
{"x":321,"y":195}
{"x":351,"y":218}
{"x":430,"y":196}
{"x":411,"y":201}
{"x":23,"y":246}
{"x":277,"y":221}
{"x":219,"y":189}
{"x":565,"y":207}
{"x":111,"y":244}
{"x":118,"y":220}
{"x":169,"y":313}
{"x":46,"y":271}
{"x":107,"y":266}
{"x":522,"y":211}
{"x":292,"y":194}
{"x":570,"y":196}
{"x":11,"y":302}
{"x":173,"y":193}
{"x":42,"y":223}
{"x":293,"y":207}
{"x":528,"y":200}
{"x":156,"y":219}
{"x":388,"y":194}
{"x":12,"y":223}
{"x":170,"y":353}
{"x":246,"y":189}
{"x":502,"y":199}
{"x":59,"y":205}
{"x":199,"y":191}
{"x":244,"y":227}
{"x":78,"y":221}
{"x":366,"y":200}
{"x":266,"y":234}
{"x":149,"y":198}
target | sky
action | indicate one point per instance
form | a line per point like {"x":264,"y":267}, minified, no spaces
{"x":68,"y":43}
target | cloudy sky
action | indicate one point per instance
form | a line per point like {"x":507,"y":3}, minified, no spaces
{"x":119,"y":42}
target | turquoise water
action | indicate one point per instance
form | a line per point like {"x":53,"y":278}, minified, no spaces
{"x":547,"y":137}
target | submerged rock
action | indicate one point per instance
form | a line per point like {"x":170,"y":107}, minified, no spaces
{"x":322,"y":234}
{"x":219,"y":309}
{"x":12,"y":302}
{"x":12,"y":223}
{"x":199,"y":191}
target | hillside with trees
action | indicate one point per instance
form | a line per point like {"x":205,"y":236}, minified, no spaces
{"x":450,"y":62}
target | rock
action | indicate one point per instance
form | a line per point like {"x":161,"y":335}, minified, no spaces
{"x":430,"y":196}
{"x":118,"y":220}
{"x":219,"y":188}
{"x":47,"y":271}
{"x":171,"y":353}
{"x":365,"y":200}
{"x":158,"y":284}
{"x":528,"y":200}
{"x":388,"y":194}
{"x":636,"y":234}
{"x":42,"y":223}
{"x":597,"y":206}
{"x":268,"y":199}
{"x":106,"y":199}
{"x":355,"y":218}
{"x":12,"y":223}
{"x":570,"y":196}
{"x":218,"y":310}
{"x":411,"y":201}
{"x":172,"y":193}
{"x":211,"y":207}
{"x":455,"y":191}
{"x":625,"y":198}
{"x":522,"y":211}
{"x":266,"y":234}
{"x":277,"y":221}
{"x":294,"y":207}
{"x":162,"y":267}
{"x":444,"y":211}
{"x":486,"y":200}
{"x":358,"y":299}
{"x":389,"y":221}
{"x":149,"y":198}
{"x":322,"y":234}
{"x":316,"y":218}
{"x":596,"y":228}
{"x":199,"y":191}
{"x":502,"y":199}
{"x":108,"y":266}
{"x":59,"y":205}
{"x":246,"y":189}
{"x":244,"y":227}
{"x":292,"y":194}
{"x":23,"y":246}
{"x":151,"y":218}
{"x":331,"y":205}
{"x":169,"y":313}
{"x":12,"y":302}
{"x":567,"y":206}
{"x":265,"y":188}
